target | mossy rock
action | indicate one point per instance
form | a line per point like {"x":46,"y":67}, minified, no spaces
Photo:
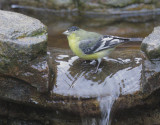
{"x":23,"y":46}
{"x":21,"y":37}
{"x":151,"y":44}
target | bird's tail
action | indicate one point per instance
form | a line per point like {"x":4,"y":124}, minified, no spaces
{"x":123,"y":40}
{"x":135,"y":39}
{"x":130,"y":40}
{"x":126,"y":39}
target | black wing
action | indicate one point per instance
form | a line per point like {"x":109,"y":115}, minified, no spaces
{"x":89,"y":46}
{"x":110,"y":42}
{"x":92,"y":46}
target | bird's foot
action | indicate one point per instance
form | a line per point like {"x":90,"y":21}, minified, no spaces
{"x":97,"y":68}
{"x":93,"y":62}
{"x":85,"y":62}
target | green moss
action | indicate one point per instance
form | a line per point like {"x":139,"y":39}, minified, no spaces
{"x":154,"y":54}
{"x":21,"y":37}
{"x":37,"y":33}
{"x":33,"y":34}
{"x":144,"y":47}
{"x":151,"y":54}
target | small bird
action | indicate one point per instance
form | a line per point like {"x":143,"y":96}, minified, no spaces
{"x":90,"y":45}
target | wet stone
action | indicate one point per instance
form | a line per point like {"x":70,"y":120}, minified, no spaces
{"x":119,"y":84}
{"x":144,"y":104}
{"x":4,"y":109}
{"x":151,"y":76}
{"x":151,"y":44}
{"x":79,"y":80}
{"x":78,"y":91}
{"x":15,"y":90}
{"x":35,"y":72}
{"x":75,"y":78}
{"x":146,"y":110}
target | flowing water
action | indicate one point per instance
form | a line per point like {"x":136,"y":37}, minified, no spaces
{"x":115,"y":77}
{"x":118,"y":75}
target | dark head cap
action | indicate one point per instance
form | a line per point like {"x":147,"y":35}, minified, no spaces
{"x":70,"y":30}
{"x":73,"y":28}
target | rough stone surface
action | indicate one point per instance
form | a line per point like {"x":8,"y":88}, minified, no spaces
{"x":150,"y":76}
{"x":151,"y":44}
{"x":23,"y":45}
{"x":21,"y":37}
{"x":117,"y":6}
{"x":35,"y":72}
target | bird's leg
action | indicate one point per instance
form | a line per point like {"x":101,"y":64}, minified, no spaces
{"x":99,"y":61}
{"x":85,"y":61}
{"x":93,"y":62}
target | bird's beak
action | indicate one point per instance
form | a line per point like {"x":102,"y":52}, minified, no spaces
{"x":66,"y":32}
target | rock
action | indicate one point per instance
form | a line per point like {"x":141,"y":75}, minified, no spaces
{"x":145,"y":102}
{"x":22,"y":122}
{"x":16,"y":90}
{"x":23,"y":46}
{"x":145,"y":107}
{"x":117,"y":6}
{"x":21,"y":37}
{"x":18,"y":114}
{"x":151,"y":76}
{"x":83,"y":84}
{"x":151,"y":44}
{"x":138,"y":116}
{"x":35,"y":72}
{"x":4,"y":108}
{"x":118,"y":77}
